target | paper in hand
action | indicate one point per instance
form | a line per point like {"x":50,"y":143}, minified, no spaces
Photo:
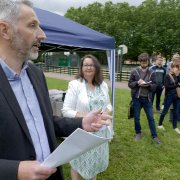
{"x":73,"y":146}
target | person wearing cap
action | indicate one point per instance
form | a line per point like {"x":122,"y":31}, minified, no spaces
{"x":142,"y":84}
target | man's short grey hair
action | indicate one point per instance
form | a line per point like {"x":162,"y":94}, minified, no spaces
{"x":10,"y":9}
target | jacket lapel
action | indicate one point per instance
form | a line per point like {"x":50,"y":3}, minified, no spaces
{"x":8,"y":93}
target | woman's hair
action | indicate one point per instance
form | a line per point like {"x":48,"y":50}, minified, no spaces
{"x":174,"y":65}
{"x":10,"y":9}
{"x":98,"y":77}
{"x":175,"y":55}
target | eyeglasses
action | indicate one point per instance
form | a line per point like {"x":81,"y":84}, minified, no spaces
{"x":88,"y":65}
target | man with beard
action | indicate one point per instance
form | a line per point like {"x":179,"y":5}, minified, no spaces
{"x":28,"y":129}
{"x":142,"y":84}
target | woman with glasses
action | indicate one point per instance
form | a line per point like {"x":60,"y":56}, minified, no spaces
{"x":86,"y":93}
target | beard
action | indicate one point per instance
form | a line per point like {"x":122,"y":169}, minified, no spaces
{"x":23,"y":50}
{"x":32,"y":55}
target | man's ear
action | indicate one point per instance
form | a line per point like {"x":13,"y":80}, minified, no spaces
{"x":5,"y":30}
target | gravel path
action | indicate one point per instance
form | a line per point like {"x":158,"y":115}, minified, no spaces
{"x":120,"y":85}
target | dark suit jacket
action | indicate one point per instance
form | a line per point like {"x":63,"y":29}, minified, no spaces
{"x":15,"y":141}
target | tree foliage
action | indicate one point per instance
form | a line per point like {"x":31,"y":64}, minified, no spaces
{"x":153,"y":26}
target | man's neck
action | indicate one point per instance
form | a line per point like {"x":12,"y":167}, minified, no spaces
{"x":13,"y":63}
{"x":144,"y":69}
{"x":12,"y":60}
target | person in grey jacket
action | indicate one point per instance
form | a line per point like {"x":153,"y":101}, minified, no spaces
{"x":142,"y":84}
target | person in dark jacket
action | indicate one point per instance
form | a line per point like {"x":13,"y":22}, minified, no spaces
{"x":174,"y":60}
{"x":160,"y":73}
{"x":28,"y":129}
{"x":172,"y":81}
{"x":142,"y":84}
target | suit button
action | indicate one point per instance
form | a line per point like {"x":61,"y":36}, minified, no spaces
{"x":32,"y":158}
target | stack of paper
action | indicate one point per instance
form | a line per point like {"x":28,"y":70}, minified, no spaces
{"x":73,"y":146}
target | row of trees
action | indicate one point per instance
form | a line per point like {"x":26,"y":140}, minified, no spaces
{"x":153,"y":26}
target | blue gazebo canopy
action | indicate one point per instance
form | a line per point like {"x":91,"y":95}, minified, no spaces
{"x":65,"y":34}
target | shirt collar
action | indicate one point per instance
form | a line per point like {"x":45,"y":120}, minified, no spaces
{"x":10,"y":73}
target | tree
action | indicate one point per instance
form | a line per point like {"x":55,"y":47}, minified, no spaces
{"x":150,"y":27}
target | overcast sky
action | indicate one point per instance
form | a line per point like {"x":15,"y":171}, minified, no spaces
{"x":61,"y":6}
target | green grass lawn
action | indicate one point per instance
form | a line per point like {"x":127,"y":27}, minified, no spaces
{"x":131,"y":160}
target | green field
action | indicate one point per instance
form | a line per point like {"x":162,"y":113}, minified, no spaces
{"x":131,"y":160}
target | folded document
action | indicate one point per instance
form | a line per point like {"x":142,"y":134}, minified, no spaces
{"x":73,"y":146}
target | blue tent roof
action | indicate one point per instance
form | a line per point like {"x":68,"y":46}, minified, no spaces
{"x":69,"y":34}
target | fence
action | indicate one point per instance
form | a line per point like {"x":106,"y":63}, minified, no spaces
{"x":119,"y":76}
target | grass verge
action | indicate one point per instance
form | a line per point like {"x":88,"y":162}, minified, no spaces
{"x":131,"y":160}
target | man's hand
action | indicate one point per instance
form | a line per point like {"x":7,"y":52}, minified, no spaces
{"x":94,"y":120}
{"x":32,"y":170}
{"x":141,"y":82}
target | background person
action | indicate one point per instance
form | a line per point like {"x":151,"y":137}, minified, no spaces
{"x":141,"y":94}
{"x":160,"y":73}
{"x":28,"y":129}
{"x":88,"y":92}
{"x":171,"y":96}
{"x":174,"y":59}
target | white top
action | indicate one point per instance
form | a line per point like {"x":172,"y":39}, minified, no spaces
{"x":76,"y":99}
{"x":79,"y":99}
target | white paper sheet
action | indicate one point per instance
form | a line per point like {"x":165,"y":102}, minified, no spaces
{"x":144,"y":83}
{"x":74,"y":145}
